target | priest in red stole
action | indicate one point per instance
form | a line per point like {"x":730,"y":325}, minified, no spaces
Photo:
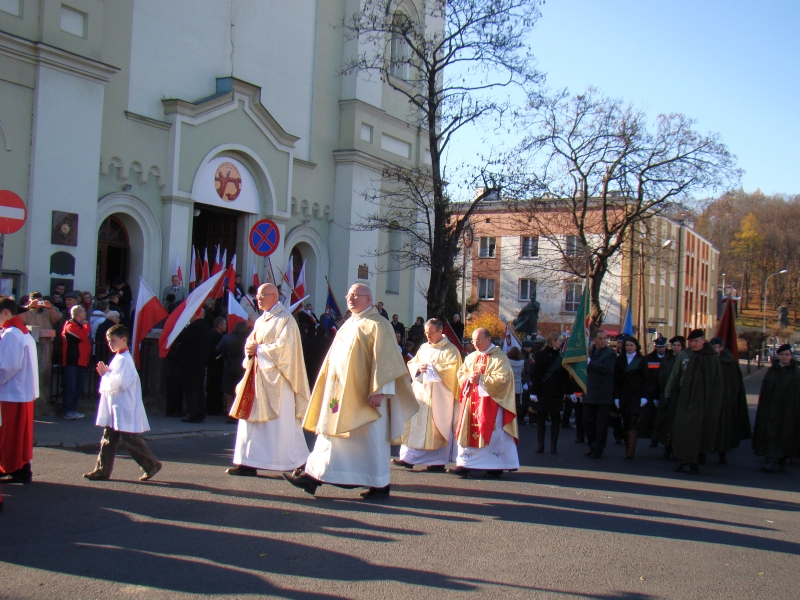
{"x":487,"y":428}
{"x":19,"y":387}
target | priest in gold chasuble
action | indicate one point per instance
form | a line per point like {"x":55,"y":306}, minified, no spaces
{"x":487,"y":426}
{"x":360,"y":403}
{"x":273,"y":395}
{"x":428,"y":439}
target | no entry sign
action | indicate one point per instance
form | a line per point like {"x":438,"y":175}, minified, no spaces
{"x":264,"y":237}
{"x":12,"y":212}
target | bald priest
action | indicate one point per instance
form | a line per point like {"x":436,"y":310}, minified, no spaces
{"x":360,"y":403}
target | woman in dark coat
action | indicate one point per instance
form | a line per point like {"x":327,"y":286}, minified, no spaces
{"x":630,"y":391}
{"x":776,"y":435}
{"x":549,"y":384}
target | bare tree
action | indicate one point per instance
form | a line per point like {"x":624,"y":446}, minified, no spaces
{"x":454,"y":62}
{"x":592,"y":169}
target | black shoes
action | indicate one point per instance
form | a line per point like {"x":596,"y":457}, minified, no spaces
{"x":402,"y":463}
{"x":193,"y":420}
{"x":596,"y":454}
{"x":667,"y":452}
{"x":242,"y":471}
{"x":305,"y":482}
{"x":460,"y":471}
{"x":23,"y":475}
{"x":494,"y":474}
{"x":435,"y":468}
{"x":701,"y":459}
{"x":693,"y":469}
{"x":374,"y":493}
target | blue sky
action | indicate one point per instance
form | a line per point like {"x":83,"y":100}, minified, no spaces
{"x":732,"y":65}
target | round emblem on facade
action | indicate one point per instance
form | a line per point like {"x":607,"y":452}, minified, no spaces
{"x":228,"y":182}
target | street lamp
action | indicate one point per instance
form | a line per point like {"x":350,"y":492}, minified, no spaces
{"x":764,"y":319}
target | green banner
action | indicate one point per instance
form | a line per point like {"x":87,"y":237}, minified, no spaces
{"x":577,"y":351}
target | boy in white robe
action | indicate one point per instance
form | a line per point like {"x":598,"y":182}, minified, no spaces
{"x":121,"y":411}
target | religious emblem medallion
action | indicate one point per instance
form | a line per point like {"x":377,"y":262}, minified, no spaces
{"x":64,"y":230}
{"x":228,"y":182}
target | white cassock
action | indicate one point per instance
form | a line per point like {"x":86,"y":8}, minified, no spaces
{"x":277,"y":444}
{"x":360,"y":457}
{"x":500,"y":454}
{"x":121,"y":406}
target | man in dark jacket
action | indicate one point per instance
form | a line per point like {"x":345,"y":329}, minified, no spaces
{"x":648,"y":415}
{"x":776,"y":435}
{"x":696,"y":386}
{"x":665,"y":413}
{"x":734,"y":417}
{"x":214,"y":404}
{"x":599,"y":398}
{"x":194,"y":346}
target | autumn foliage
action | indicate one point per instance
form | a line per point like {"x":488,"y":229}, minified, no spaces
{"x":488,"y":321}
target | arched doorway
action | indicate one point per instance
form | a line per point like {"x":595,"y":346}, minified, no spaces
{"x":113,"y":251}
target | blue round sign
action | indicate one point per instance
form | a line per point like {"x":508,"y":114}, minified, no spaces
{"x":264,"y":237}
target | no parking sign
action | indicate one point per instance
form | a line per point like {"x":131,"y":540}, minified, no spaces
{"x":264,"y":237}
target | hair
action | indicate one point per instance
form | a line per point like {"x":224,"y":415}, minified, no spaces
{"x":119,"y":332}
{"x":482,"y":332}
{"x":35,"y":295}
{"x":118,"y":281}
{"x":9,"y":304}
{"x":514,"y":354}
{"x":420,"y":319}
{"x":112,"y":314}
{"x":253,"y":289}
{"x":220,"y":321}
{"x":635,"y":342}
{"x":75,"y":310}
{"x":408,"y":345}
{"x":598,"y":332}
{"x":434,"y":322}
{"x":553,"y":336}
{"x":240,"y":327}
{"x":87,"y":292}
{"x":101,"y":305}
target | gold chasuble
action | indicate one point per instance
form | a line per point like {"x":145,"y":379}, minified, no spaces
{"x":436,"y":389}
{"x":481,"y":402}
{"x":278,"y":364}
{"x":361,"y":361}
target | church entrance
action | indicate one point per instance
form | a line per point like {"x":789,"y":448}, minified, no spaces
{"x":212,"y":227}
{"x":113,"y":252}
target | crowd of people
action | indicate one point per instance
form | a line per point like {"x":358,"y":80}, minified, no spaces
{"x":366,"y":382}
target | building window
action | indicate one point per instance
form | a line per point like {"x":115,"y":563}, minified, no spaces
{"x":73,"y":21}
{"x":572,"y":296}
{"x":486,"y":289}
{"x":12,"y":7}
{"x":400,"y":52}
{"x":573,"y":247}
{"x":488,"y":247}
{"x":527,"y":289}
{"x":529,"y":246}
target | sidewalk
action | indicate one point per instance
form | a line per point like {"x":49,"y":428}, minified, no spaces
{"x":55,"y":432}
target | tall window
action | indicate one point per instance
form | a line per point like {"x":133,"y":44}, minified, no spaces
{"x":573,"y":248}
{"x":400,"y":52}
{"x":529,"y":246}
{"x":527,"y":289}
{"x":572,"y":296}
{"x":486,"y":289}
{"x":488,"y":245}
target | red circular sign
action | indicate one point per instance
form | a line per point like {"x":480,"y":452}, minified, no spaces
{"x":264,"y":237}
{"x":12,"y":212}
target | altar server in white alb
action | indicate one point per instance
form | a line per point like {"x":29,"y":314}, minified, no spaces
{"x":121,"y":411}
{"x":361,"y":402}
{"x":428,"y":439}
{"x":19,"y":387}
{"x":487,"y":429}
{"x":273,"y":395}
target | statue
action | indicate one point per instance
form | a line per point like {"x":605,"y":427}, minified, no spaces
{"x":527,"y":321}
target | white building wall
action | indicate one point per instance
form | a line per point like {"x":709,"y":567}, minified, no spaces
{"x":65,"y":150}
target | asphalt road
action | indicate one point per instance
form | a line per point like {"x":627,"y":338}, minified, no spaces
{"x":562,"y":527}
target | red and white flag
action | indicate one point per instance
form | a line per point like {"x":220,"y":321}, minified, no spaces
{"x":236,"y":314}
{"x":205,"y":272}
{"x":300,"y":284}
{"x":230,"y":275}
{"x":288,"y":282}
{"x":193,"y":271}
{"x":255,"y":276}
{"x":177,"y":270}
{"x":217,"y":265}
{"x":149,"y":312}
{"x":179,"y":318}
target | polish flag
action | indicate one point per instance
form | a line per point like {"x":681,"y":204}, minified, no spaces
{"x":149,"y":312}
{"x":236,"y":314}
{"x":193,"y":271}
{"x":177,"y":270}
{"x":288,"y":279}
{"x":300,"y":284}
{"x":255,"y":276}
{"x":217,"y":265}
{"x":179,"y":318}
{"x":205,"y":273}
{"x":230,"y":275}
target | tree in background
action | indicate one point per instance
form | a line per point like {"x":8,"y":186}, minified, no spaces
{"x":454,"y":63}
{"x":592,"y":171}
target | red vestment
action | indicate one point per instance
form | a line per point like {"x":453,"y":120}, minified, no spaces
{"x":482,"y":410}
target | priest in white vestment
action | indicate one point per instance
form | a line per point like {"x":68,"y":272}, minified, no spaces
{"x":273,"y":395}
{"x":487,"y":427}
{"x":360,"y":403}
{"x":428,"y":439}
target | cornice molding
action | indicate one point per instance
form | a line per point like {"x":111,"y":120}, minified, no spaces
{"x":304,"y":163}
{"x":381,"y":114}
{"x":344,"y":157}
{"x":147,"y":121}
{"x":40,"y":54}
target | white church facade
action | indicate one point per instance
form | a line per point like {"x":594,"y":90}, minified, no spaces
{"x":137,"y":129}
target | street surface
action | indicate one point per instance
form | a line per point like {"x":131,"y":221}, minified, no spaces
{"x":564,"y":526}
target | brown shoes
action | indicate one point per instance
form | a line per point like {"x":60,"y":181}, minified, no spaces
{"x":151,"y":473}
{"x":96,"y":476}
{"x":242,"y":471}
{"x":374,"y":493}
